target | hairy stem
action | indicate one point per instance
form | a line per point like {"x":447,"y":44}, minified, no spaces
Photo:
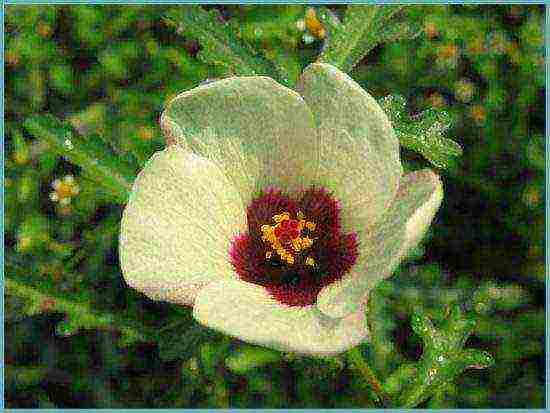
{"x":357,"y":360}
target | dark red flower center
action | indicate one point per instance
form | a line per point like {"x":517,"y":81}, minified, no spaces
{"x":293,"y":247}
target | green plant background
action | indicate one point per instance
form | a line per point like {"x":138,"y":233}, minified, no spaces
{"x":76,"y":336}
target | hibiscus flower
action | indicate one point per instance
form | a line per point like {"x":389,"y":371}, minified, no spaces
{"x":274,"y":212}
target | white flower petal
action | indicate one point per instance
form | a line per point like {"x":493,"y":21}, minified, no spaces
{"x":265,"y":129}
{"x":246,"y":311}
{"x":177,"y":226}
{"x":359,"y":150}
{"x":418,"y":198}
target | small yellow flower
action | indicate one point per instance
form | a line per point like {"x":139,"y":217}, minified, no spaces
{"x":464,"y":90}
{"x":514,"y":53}
{"x":44,"y":30}
{"x":12,"y":58}
{"x":431,"y":30}
{"x":24,"y":243}
{"x":448,"y":51}
{"x":64,"y":190}
{"x":313,"y":25}
{"x":21,"y":157}
{"x":476,"y":47}
{"x":498,"y":43}
{"x":437,"y":100}
{"x":447,"y":55}
{"x":47,"y":304}
{"x":478,"y":113}
{"x":531,"y":196}
{"x":515,"y":11}
{"x":146,"y":133}
{"x":53,"y":270}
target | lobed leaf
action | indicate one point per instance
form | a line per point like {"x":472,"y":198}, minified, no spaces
{"x":80,"y":313}
{"x":363,"y":28}
{"x":422,"y":133}
{"x":443,"y":358}
{"x":97,"y":160}
{"x":220,"y":46}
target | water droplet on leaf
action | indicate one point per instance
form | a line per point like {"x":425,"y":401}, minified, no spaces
{"x":68,"y":144}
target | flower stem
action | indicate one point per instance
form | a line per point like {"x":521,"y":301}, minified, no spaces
{"x":356,"y":358}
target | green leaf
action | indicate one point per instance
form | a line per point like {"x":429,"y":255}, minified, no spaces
{"x":97,"y":160}
{"x":491,"y":297}
{"x":19,"y":378}
{"x":443,"y":358}
{"x":275,"y":26}
{"x":21,"y":148}
{"x":363,"y":28}
{"x":182,"y":341}
{"x":219,"y":44}
{"x":422,"y":133}
{"x":248,"y":357}
{"x":80,"y":314}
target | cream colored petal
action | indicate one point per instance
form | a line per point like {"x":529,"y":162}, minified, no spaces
{"x":359,"y":150}
{"x":259,"y":132}
{"x":177,"y":226}
{"x":381,"y":249}
{"x":246,"y":311}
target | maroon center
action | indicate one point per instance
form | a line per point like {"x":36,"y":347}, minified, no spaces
{"x":299,"y":283}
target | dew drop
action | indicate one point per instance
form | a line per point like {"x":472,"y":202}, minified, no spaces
{"x":68,"y":144}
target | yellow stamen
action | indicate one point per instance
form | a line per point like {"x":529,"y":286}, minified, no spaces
{"x":296,"y":244}
{"x":311,"y":226}
{"x":281,"y":217}
{"x":287,"y":247}
{"x":310,"y":261}
{"x":306,"y":242}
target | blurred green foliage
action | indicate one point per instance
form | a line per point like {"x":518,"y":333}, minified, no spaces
{"x":76,"y":336}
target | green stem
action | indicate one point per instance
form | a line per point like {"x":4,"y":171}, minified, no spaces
{"x":356,"y":358}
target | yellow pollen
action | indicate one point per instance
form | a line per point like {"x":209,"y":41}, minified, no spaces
{"x":286,"y":239}
{"x":310,"y":261}
{"x":306,"y":243}
{"x":281,"y":217}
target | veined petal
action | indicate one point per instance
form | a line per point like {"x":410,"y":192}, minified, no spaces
{"x":246,"y":311}
{"x":177,"y":226}
{"x":261,"y":132}
{"x":359,"y":150}
{"x":401,"y":228}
